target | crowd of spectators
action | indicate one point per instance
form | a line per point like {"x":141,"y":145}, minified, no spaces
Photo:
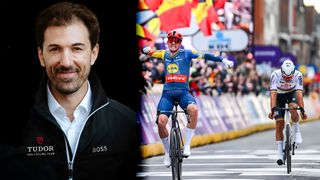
{"x":212,"y":78}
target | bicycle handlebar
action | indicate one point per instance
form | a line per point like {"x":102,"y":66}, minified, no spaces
{"x":283,"y":108}
{"x":173,"y":111}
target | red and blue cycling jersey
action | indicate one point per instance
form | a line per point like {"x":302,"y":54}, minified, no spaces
{"x":177,"y":67}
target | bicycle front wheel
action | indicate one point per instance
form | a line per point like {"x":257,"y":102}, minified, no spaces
{"x":288,"y":148}
{"x":175,"y":153}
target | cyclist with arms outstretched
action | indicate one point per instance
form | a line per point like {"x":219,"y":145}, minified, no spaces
{"x":176,"y":88}
{"x":286,"y":87}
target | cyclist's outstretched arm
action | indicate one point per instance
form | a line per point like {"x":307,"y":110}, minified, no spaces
{"x":153,"y":53}
{"x":211,"y":57}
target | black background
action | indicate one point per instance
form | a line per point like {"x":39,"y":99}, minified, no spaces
{"x":117,"y":66}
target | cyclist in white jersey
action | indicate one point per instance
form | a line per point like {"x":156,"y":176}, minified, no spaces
{"x":286,"y":87}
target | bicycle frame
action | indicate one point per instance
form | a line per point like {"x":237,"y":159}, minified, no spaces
{"x":288,"y":136}
{"x":176,"y":144}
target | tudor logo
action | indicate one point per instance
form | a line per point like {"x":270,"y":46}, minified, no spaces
{"x":39,"y":140}
{"x":40,"y":150}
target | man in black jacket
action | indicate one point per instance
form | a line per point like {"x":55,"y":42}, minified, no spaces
{"x":74,"y":130}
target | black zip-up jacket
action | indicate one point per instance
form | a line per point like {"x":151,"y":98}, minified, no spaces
{"x":108,"y":147}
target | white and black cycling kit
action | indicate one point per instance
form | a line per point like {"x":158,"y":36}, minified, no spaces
{"x":285,"y":90}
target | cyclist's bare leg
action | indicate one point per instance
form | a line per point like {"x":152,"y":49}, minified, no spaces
{"x":193,"y":113}
{"x":162,"y":123}
{"x":294,"y":113}
{"x":279,"y":140}
{"x":295,"y":123}
{"x":163,"y":133}
{"x":279,"y":130}
{"x":193,"y":116}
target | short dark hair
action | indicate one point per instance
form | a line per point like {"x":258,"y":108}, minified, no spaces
{"x":64,"y":13}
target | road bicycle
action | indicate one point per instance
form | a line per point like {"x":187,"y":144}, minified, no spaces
{"x":289,"y":140}
{"x":176,"y":143}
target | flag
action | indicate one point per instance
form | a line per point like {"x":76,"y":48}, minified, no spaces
{"x":147,"y":32}
{"x":145,"y":38}
{"x":139,"y":31}
{"x":174,"y":14}
{"x":205,"y":15}
{"x":152,"y":28}
{"x":153,"y":4}
{"x":142,"y":5}
{"x":219,"y":4}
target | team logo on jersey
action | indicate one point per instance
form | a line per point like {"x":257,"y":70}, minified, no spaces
{"x":172,"y":68}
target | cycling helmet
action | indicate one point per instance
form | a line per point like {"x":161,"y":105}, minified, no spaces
{"x":287,"y":68}
{"x":174,"y":36}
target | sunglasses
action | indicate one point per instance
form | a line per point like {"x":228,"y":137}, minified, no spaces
{"x":175,"y":40}
{"x":287,"y":78}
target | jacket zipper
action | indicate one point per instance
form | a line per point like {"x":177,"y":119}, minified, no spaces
{"x":71,"y":160}
{"x":70,"y":167}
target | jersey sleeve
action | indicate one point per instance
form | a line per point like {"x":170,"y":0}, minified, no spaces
{"x":273,"y":81}
{"x":157,"y":54}
{"x":206,"y":56}
{"x":211,"y":57}
{"x":192,"y":54}
{"x":299,"y":83}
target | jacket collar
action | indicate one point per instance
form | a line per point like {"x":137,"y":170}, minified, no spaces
{"x":41,"y":102}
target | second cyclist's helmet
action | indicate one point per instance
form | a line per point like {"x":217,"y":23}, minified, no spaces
{"x":287,"y":68}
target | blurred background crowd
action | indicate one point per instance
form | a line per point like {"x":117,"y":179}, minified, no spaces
{"x":212,"y":78}
{"x":254,"y":34}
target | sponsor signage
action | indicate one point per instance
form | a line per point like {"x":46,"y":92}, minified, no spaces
{"x":225,"y":40}
{"x":272,"y":55}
